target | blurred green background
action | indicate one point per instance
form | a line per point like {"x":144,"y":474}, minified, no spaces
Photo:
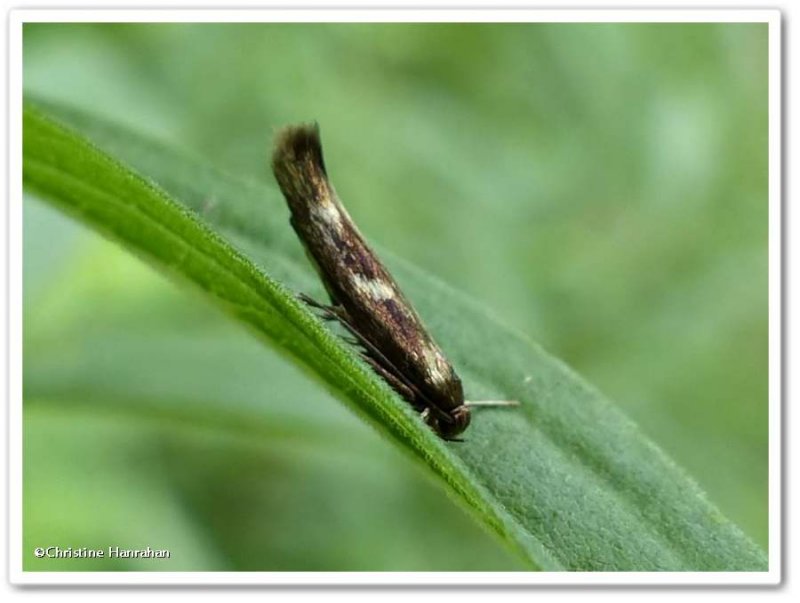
{"x":600,"y":187}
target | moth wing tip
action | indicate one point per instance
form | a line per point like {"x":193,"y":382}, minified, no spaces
{"x":296,"y":141}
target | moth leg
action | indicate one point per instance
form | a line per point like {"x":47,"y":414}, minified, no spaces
{"x":328,"y":313}
{"x":378,"y":361}
{"x":396,"y":384}
{"x":372,"y":355}
{"x":333,"y":312}
{"x":310,"y":301}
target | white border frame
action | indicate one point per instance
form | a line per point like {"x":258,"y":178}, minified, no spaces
{"x":15,"y":544}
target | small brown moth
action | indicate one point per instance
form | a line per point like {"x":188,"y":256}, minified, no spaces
{"x":365,"y":299}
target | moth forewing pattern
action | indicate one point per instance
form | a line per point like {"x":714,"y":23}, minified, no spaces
{"x":364,"y":298}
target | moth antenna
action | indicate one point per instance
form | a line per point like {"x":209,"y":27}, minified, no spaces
{"x":491,"y":403}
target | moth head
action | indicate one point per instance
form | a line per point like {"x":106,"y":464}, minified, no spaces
{"x":459,"y":421}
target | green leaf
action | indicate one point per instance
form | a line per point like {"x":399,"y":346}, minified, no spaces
{"x":566,"y":480}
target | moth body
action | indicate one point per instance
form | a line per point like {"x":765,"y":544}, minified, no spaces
{"x":364,"y":297}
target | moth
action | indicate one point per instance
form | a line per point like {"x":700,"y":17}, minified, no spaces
{"x":364,"y":298}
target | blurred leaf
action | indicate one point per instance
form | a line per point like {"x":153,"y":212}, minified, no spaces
{"x":566,"y":480}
